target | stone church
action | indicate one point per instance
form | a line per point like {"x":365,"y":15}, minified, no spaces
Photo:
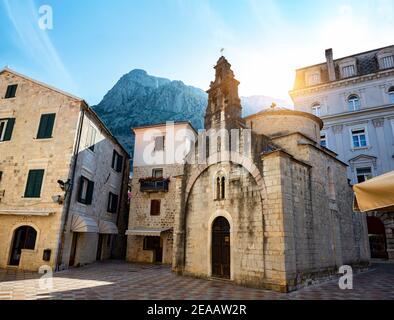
{"x":257,"y":201}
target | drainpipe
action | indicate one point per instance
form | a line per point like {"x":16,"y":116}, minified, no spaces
{"x":67,"y":209}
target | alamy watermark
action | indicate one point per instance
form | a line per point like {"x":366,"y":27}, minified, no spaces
{"x":45,"y":21}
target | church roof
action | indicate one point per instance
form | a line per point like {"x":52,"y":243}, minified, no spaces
{"x":275,"y":110}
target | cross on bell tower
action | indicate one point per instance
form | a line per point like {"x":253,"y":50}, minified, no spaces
{"x":224,"y":109}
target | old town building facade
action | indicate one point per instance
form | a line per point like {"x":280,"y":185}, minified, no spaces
{"x":63,"y":178}
{"x":274,"y":210}
{"x":354,"y":96}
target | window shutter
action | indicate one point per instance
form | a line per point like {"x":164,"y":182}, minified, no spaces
{"x":34,"y":183}
{"x":109,"y":207}
{"x":9,"y":128}
{"x":119,"y":165}
{"x":89,"y":193}
{"x":114,"y":203}
{"x":80,"y":186}
{"x":155,"y":207}
{"x":46,"y":126}
{"x":113,"y":159}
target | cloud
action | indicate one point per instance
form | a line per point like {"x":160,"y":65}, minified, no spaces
{"x":34,"y":41}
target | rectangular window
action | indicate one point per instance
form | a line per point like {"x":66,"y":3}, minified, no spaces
{"x":359,"y":138}
{"x":323,"y":140}
{"x":316,"y":110}
{"x":112,"y":203}
{"x":387,"y":62}
{"x":155,"y":207}
{"x":151,"y":243}
{"x":90,"y":138}
{"x":45,"y":128}
{"x":11,"y":91}
{"x":34,"y":184}
{"x":157,"y":173}
{"x":117,"y":161}
{"x":364,"y":174}
{"x":314,"y":79}
{"x":85,"y":191}
{"x":6,"y":128}
{"x":348,"y":71}
{"x":159,"y":143}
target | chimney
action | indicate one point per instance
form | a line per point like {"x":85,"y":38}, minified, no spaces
{"x":330,"y":65}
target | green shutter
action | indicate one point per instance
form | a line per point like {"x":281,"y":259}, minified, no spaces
{"x":46,"y":126}
{"x":89,"y":193}
{"x":9,"y":128}
{"x":34,"y":184}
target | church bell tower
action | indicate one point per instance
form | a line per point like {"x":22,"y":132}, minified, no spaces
{"x":224,"y":109}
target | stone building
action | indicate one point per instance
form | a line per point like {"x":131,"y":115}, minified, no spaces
{"x":354,"y":96}
{"x":63,"y":178}
{"x":257,"y":200}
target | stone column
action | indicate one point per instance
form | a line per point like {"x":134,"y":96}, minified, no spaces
{"x":178,"y":249}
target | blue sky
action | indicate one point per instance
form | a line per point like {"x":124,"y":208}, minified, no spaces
{"x":94,"y":42}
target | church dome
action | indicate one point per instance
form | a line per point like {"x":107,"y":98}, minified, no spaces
{"x":278,"y":121}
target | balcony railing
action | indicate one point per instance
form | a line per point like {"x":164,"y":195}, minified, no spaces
{"x":154,"y":184}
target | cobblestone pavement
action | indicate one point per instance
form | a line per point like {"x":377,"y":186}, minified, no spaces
{"x":120,"y":280}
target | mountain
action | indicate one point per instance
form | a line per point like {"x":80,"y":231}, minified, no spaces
{"x":139,"y":99}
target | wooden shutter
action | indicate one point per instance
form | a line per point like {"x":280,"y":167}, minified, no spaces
{"x":46,"y":126}
{"x":155,"y":207}
{"x":89,"y":192}
{"x":80,"y":187}
{"x":11,"y":90}
{"x":112,"y":203}
{"x":34,"y":183}
{"x":9,"y":128}
{"x":113,"y":159}
{"x":119,"y":164}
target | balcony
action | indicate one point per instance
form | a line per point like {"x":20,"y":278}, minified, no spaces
{"x":152,"y":184}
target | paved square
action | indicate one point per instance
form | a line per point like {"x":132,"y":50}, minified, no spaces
{"x":121,"y":280}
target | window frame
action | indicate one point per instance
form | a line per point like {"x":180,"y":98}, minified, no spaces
{"x":322,"y":133}
{"x":316,"y":106}
{"x":389,"y":57}
{"x":91,"y":135}
{"x":8,"y":129}
{"x":117,"y":161}
{"x":155,"y":139}
{"x":366,"y":137}
{"x":88,"y":199}
{"x":363,"y":167}
{"x":390,"y":93}
{"x":155,"y":170}
{"x":350,"y":102}
{"x":2,"y":133}
{"x":113,"y":202}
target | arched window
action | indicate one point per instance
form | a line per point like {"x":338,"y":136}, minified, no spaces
{"x":24,"y":238}
{"x":353,"y":102}
{"x":220,"y":186}
{"x":316,"y":109}
{"x":391,"y":95}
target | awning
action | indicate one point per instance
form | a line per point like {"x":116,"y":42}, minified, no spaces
{"x":83,"y":224}
{"x":107,"y":227}
{"x":154,"y":232}
{"x":376,"y":194}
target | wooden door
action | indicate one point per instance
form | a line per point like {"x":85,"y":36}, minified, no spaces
{"x":24,"y":238}
{"x":221,"y":248}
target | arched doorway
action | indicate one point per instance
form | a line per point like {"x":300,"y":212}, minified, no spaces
{"x":221,"y":248}
{"x":377,"y":238}
{"x":24,"y":238}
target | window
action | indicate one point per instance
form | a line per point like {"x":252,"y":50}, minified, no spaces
{"x":1,"y":175}
{"x":90,"y":138}
{"x":316,"y":109}
{"x":117,"y":161}
{"x":387,"y":62}
{"x":223,"y":190}
{"x":323,"y":140}
{"x":359,"y":138}
{"x":159,"y":143}
{"x":85,"y":191}
{"x":11,"y":91}
{"x":220,"y":185}
{"x":353,"y":102}
{"x":348,"y":71}
{"x":391,"y":95}
{"x":313,"y":79}
{"x":112,"y":203}
{"x":155,"y":207}
{"x":6,"y":128}
{"x":151,"y":243}
{"x":363,"y":174}
{"x":46,"y":126}
{"x":157,"y":173}
{"x":34,"y":184}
